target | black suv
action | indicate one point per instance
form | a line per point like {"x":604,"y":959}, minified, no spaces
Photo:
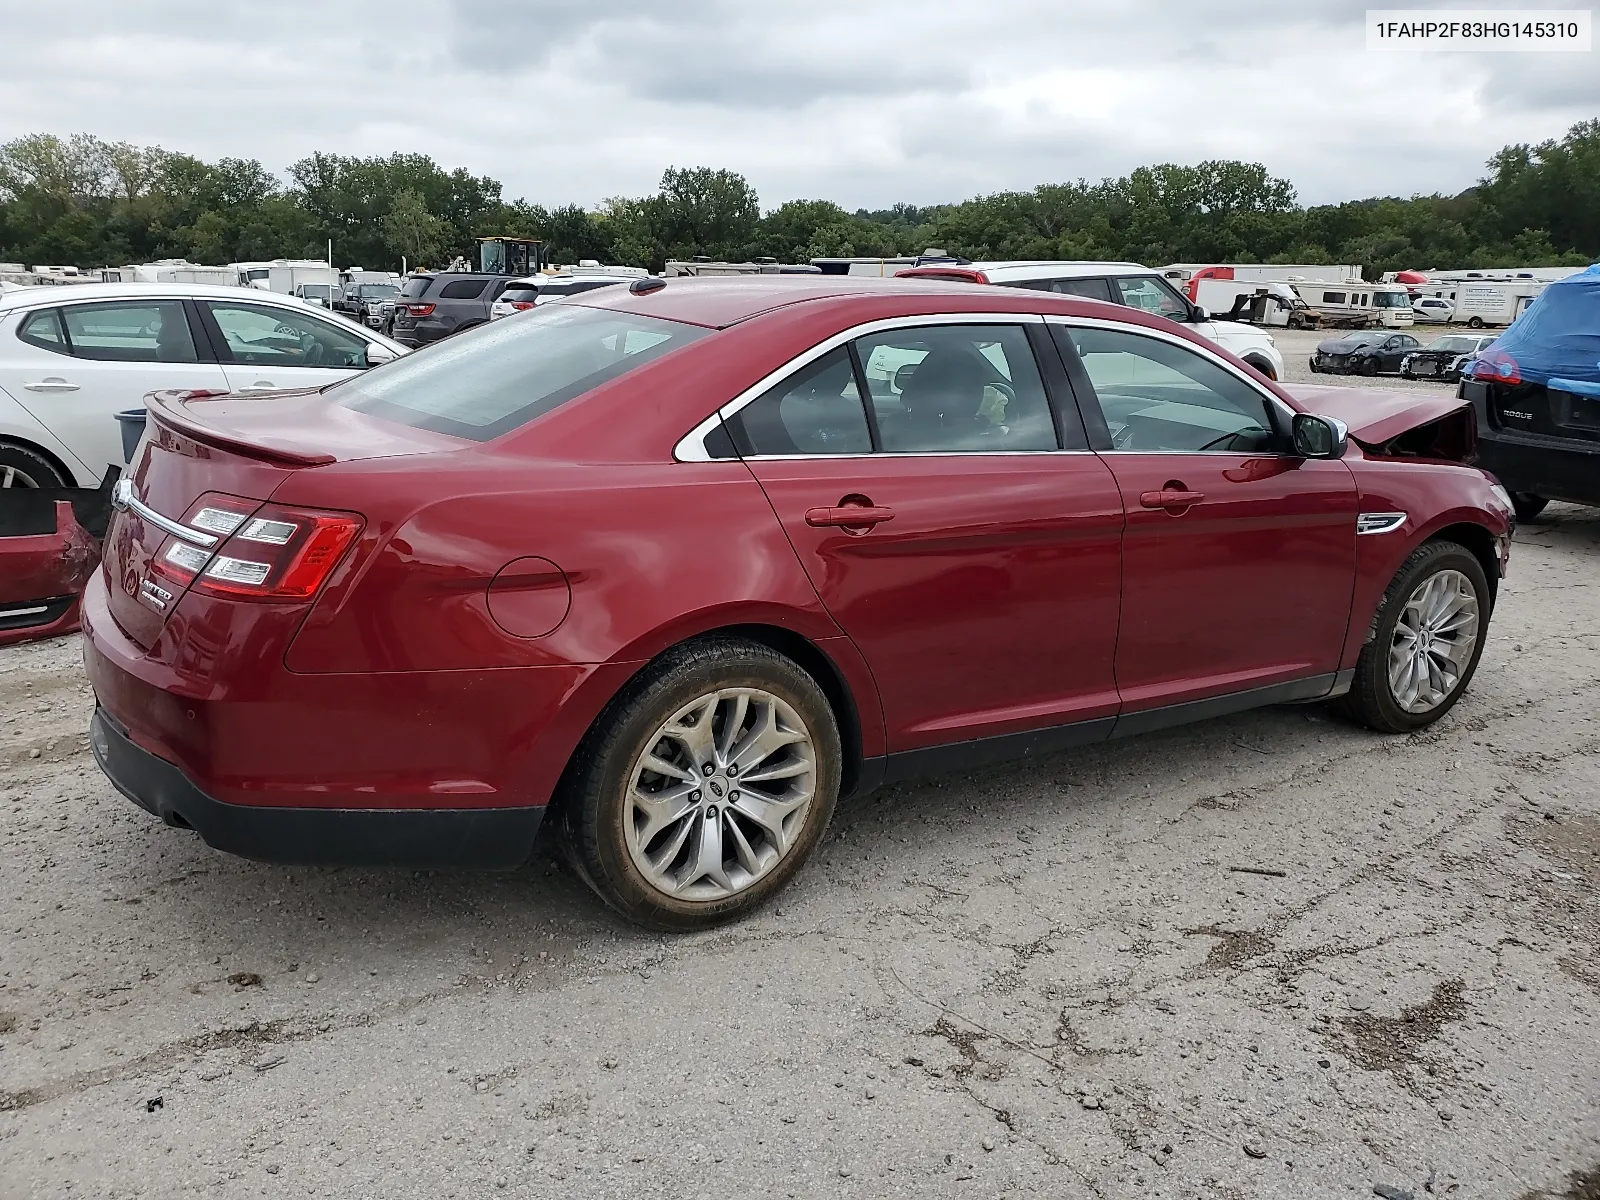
{"x":431,"y":307}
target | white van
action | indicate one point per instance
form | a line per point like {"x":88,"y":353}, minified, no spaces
{"x":285,"y":274}
{"x":1477,"y":303}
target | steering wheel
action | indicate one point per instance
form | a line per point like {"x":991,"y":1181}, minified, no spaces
{"x":1227,"y":437}
{"x":287,"y":330}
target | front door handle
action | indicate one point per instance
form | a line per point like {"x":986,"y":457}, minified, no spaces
{"x":52,"y":384}
{"x":260,"y":385}
{"x":849,"y":516}
{"x":1171,"y":496}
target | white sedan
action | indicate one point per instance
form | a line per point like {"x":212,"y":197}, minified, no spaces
{"x":72,"y":358}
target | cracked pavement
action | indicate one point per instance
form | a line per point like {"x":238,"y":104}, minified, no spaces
{"x":1271,"y":955}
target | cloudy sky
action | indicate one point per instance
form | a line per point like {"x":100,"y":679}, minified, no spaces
{"x":861,"y":101}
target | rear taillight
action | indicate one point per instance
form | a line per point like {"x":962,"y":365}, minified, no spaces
{"x":272,"y":553}
{"x":420,"y":310}
{"x":520,"y":305}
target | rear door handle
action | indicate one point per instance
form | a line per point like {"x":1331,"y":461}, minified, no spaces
{"x":53,"y":384}
{"x":1170,"y":498}
{"x":260,"y":385}
{"x":849,"y":516}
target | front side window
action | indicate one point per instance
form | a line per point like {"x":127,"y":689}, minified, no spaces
{"x":463,"y":289}
{"x":817,"y":410}
{"x":262,"y":335}
{"x":954,"y":388}
{"x":130,"y":331}
{"x":43,"y":329}
{"x":1157,"y":396}
{"x":496,"y":377}
{"x":1153,"y":296}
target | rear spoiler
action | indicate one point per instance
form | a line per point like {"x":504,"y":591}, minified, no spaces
{"x":171,"y":410}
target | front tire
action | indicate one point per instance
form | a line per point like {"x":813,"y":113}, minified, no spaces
{"x":1425,"y":643}
{"x":705,"y":786}
{"x":1528,"y":506}
{"x":1315,"y":370}
{"x":1369,"y":366}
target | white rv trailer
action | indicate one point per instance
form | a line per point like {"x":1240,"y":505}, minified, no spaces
{"x":1183,"y":273}
{"x":169,"y":270}
{"x":1386,"y":304}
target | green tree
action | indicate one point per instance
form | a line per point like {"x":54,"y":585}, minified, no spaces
{"x":409,"y":229}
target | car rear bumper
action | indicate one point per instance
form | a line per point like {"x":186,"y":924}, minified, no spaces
{"x":494,"y":838}
{"x":1555,"y":468}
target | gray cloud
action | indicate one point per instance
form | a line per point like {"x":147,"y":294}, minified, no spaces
{"x":865,"y":103}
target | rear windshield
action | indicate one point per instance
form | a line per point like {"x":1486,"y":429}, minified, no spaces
{"x":491,"y":379}
{"x":522,"y":293}
{"x":416,"y":286}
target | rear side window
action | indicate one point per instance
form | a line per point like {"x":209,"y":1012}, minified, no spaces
{"x":817,"y":410}
{"x":416,"y":286}
{"x":130,"y":331}
{"x":43,"y":329}
{"x":463,"y":289}
{"x":496,"y":377}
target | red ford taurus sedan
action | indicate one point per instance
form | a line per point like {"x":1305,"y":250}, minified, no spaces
{"x":682,"y":563}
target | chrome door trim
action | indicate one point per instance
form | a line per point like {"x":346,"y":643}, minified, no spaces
{"x":691,"y":447}
{"x":122,"y":498}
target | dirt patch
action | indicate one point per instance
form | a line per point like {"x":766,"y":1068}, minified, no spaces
{"x":1233,"y":948}
{"x":1581,"y":1185}
{"x":1394,"y":1043}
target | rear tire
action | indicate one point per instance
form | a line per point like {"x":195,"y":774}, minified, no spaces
{"x":1428,"y":629}
{"x":1475,"y":322}
{"x":1528,"y":506}
{"x":22,"y":467}
{"x":685,"y":848}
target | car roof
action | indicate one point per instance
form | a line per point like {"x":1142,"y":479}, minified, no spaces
{"x":44,"y":295}
{"x":718,"y":301}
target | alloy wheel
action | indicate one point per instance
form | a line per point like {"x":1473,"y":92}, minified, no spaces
{"x":16,"y":477}
{"x":1433,"y":642}
{"x":720,"y":793}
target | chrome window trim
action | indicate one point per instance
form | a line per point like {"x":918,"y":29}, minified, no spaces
{"x":1282,"y":410}
{"x":1387,"y":522}
{"x":122,"y":497}
{"x":692,"y":446}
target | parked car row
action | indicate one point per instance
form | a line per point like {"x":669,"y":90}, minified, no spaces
{"x":1379,"y":352}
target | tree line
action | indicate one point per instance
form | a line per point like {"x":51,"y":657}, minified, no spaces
{"x":84,"y":201}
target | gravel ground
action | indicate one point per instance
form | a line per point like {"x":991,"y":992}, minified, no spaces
{"x":1267,"y":956}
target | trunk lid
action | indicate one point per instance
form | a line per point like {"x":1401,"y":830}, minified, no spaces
{"x":199,"y":448}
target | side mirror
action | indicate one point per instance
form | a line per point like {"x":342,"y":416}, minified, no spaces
{"x":378,"y":354}
{"x":1319,"y":437}
{"x":1198,"y":313}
